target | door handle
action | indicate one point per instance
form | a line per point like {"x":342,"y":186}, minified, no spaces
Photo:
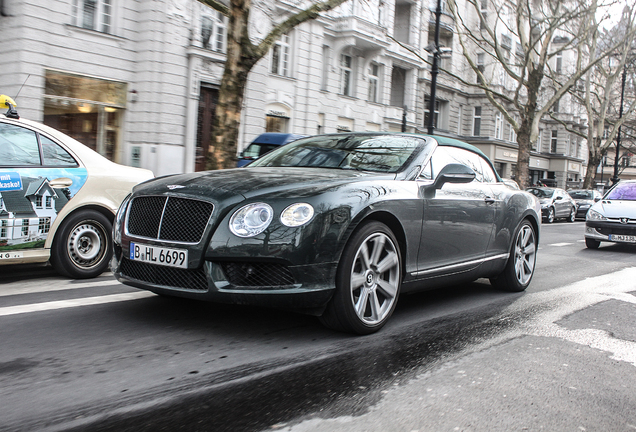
{"x":61,"y":182}
{"x":489,"y":200}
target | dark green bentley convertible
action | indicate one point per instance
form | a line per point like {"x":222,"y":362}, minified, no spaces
{"x":332,"y":225}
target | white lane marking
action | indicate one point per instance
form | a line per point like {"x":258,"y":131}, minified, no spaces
{"x":560,"y":244}
{"x":37,"y":287}
{"x":63,"y":304}
{"x":562,"y":302}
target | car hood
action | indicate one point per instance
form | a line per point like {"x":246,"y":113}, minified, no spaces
{"x":616,"y":208}
{"x":251,"y":182}
{"x":584,"y":201}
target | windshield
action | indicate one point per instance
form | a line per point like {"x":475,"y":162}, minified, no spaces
{"x":624,"y":191}
{"x":581,"y":194}
{"x":541,"y":193}
{"x":378,"y":153}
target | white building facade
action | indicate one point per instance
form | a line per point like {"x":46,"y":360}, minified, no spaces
{"x":138,"y":80}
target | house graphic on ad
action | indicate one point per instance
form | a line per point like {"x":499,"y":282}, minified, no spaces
{"x":26,"y":215}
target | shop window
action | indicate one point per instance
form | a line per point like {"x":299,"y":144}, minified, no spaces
{"x":87,"y":109}
{"x":276,"y":124}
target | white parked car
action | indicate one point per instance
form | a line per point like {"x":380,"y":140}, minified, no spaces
{"x":58,"y":197}
{"x":613,"y":219}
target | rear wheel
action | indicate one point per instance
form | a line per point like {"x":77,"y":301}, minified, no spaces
{"x":591,"y":243}
{"x":550,"y":216}
{"x":519,"y":269}
{"x":83,"y":247}
{"x":367,"y":281}
{"x":572,"y":216}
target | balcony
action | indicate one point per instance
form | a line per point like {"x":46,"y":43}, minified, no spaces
{"x":365,"y":35}
{"x":446,"y":25}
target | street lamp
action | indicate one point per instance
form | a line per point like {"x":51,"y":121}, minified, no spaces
{"x":434,"y":70}
{"x":618,"y":136}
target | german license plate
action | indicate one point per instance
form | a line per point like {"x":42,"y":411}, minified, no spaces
{"x":623,"y":238}
{"x":159,"y":255}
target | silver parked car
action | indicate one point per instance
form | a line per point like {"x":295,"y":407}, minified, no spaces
{"x":555,"y":203}
{"x":613,"y":219}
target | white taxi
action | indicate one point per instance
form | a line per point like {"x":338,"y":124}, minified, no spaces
{"x":58,"y":198}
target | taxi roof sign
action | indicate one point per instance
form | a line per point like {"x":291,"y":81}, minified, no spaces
{"x":6,"y":101}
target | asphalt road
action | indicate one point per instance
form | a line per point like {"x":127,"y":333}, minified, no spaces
{"x":96,"y":355}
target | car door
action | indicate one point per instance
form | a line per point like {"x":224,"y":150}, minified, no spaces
{"x":561,"y":204}
{"x":458,"y":218}
{"x":37,"y":178}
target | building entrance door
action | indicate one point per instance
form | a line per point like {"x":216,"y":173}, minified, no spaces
{"x":208,"y":99}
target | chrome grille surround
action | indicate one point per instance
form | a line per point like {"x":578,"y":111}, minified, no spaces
{"x":168,"y":218}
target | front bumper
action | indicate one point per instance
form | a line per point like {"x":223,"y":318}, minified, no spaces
{"x":255,"y":281}
{"x":607,"y":231}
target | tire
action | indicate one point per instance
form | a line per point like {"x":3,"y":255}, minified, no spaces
{"x":550,"y":217}
{"x":367,"y":281}
{"x":591,"y":243}
{"x":517,"y":274}
{"x":572,"y":216}
{"x":83,"y":245}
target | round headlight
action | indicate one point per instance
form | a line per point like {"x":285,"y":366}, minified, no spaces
{"x":595,"y":216}
{"x":297,"y":214}
{"x":251,"y":220}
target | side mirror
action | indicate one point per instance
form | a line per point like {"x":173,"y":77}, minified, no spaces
{"x":597,"y":199}
{"x":558,"y":198}
{"x":454,"y":173}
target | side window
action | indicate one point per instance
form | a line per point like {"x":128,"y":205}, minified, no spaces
{"x":18,"y":146}
{"x":486,"y":169}
{"x":427,"y":173}
{"x":447,"y":155}
{"x":53,"y":154}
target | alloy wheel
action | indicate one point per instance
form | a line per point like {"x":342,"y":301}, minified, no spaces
{"x":525,"y":251}
{"x":375,"y":278}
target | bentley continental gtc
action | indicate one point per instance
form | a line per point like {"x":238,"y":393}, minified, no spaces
{"x":333,"y":225}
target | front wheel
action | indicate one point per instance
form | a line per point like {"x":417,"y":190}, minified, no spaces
{"x":519,"y":269}
{"x":367,"y":281}
{"x":591,"y":243}
{"x":83,"y":247}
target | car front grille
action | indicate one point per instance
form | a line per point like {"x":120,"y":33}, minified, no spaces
{"x":193,"y":279}
{"x":257,"y":275}
{"x":169,"y":218}
{"x":617,"y":229}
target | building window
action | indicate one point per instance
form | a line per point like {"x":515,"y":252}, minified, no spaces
{"x":559,"y":62}
{"x":427,"y":105}
{"x":93,"y":14}
{"x":477,"y":121}
{"x":44,"y":225}
{"x":280,"y":56}
{"x":460,"y":119}
{"x":512,"y":136}
{"x":398,"y":86}
{"x":49,"y":202}
{"x":3,"y":230}
{"x":374,"y":82}
{"x":553,"y":141}
{"x":481,"y":66}
{"x":213,"y":28}
{"x":498,"y":125}
{"x":402,"y":22}
{"x":484,"y":12}
{"x":25,"y":227}
{"x":346,"y":74}
{"x":38,"y":202}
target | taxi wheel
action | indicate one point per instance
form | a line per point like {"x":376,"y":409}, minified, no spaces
{"x":83,"y":246}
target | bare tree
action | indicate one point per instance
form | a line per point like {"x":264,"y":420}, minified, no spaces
{"x":603,"y":91}
{"x":242,"y":55}
{"x":510,"y":48}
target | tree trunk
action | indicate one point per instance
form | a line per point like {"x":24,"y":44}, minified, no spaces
{"x":523,"y":157}
{"x":594,"y":158}
{"x":240,"y":60}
